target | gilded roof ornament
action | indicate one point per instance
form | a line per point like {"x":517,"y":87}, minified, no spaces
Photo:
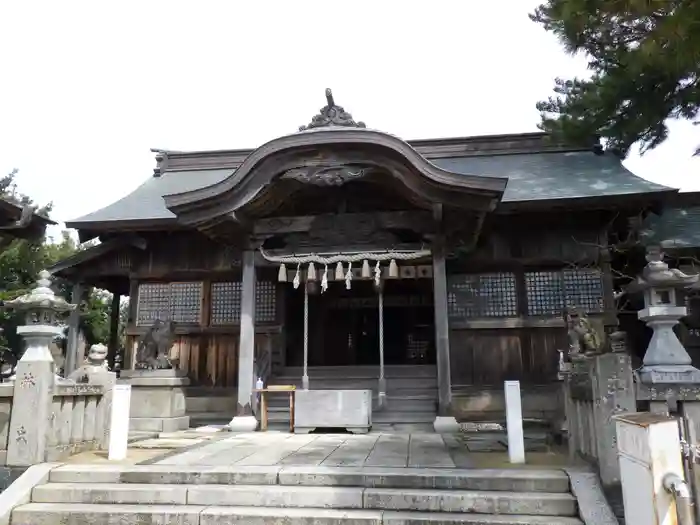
{"x":332,"y":115}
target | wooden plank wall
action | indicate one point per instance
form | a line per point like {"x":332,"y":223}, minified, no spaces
{"x":488,"y":357}
{"x":210,"y":359}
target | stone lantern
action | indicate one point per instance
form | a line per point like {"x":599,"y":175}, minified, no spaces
{"x":41,"y":309}
{"x":35,"y":376}
{"x":665,"y":360}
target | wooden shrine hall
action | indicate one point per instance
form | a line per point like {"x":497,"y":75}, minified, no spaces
{"x":340,"y":256}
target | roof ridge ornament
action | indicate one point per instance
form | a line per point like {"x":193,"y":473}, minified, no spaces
{"x":332,"y":115}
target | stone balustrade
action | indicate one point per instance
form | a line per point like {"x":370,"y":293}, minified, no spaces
{"x":596,"y":389}
{"x":44,"y":417}
{"x":78,"y":420}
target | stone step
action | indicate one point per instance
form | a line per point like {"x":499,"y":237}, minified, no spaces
{"x":389,"y":415}
{"x":420,"y":500}
{"x":211,"y":404}
{"x":488,"y":480}
{"x":349,"y":383}
{"x":390,"y":371}
{"x":200,"y":419}
{"x":95,"y":514}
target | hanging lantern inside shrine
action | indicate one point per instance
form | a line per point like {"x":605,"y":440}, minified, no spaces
{"x":339,"y":272}
{"x":311,"y":272}
{"x":366,"y":274}
{"x":393,"y":269}
{"x":282,"y":275}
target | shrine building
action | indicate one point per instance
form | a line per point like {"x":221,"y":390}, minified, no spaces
{"x":340,"y":256}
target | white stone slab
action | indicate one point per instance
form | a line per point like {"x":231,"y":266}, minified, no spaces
{"x":351,"y":409}
{"x":514,"y":422}
{"x":119,"y":422}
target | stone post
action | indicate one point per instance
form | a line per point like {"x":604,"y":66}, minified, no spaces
{"x":35,"y":376}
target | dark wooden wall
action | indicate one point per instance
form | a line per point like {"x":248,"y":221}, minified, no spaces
{"x":486,"y":350}
{"x":205,"y":349}
{"x":489,"y":357}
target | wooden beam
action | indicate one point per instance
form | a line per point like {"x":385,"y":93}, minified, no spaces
{"x":418,"y":221}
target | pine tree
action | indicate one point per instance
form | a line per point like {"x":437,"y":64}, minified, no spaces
{"x":645,"y":61}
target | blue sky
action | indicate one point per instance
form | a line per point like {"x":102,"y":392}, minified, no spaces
{"x":89,"y":87}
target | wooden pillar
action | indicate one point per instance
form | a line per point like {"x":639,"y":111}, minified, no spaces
{"x":442,"y":329}
{"x":73,"y":360}
{"x":113,"y":331}
{"x":244,"y":419}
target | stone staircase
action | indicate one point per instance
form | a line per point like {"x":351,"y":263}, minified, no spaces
{"x":411,"y":402}
{"x":297,"y":495}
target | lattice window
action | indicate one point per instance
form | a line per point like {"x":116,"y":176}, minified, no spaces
{"x":545,"y":293}
{"x":226,"y":302}
{"x":583,"y":288}
{"x":179,"y":302}
{"x":550,"y":292}
{"x":186,"y":302}
{"x":265,"y":302}
{"x":482,"y":295}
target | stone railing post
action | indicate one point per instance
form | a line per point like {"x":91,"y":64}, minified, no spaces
{"x":95,"y":371}
{"x":35,"y":375}
{"x":597,"y":389}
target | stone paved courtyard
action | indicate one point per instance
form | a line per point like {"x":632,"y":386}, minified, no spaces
{"x":415,"y":450}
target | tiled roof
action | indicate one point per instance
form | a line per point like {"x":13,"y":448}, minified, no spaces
{"x":537,"y":176}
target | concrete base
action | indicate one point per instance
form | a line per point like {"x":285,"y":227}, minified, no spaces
{"x":242,"y":424}
{"x":446,"y":425}
{"x":157,"y":400}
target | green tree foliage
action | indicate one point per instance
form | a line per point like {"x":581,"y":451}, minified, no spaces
{"x":20,"y":264}
{"x":644,"y":56}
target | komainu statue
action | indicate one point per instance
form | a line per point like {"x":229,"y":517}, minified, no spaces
{"x":95,"y":362}
{"x":154,"y":346}
{"x":583,"y":337}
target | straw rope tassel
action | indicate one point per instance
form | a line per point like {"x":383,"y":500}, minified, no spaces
{"x":324,"y":279}
{"x":366,"y":274}
{"x":393,"y":269}
{"x":311,"y":272}
{"x":339,"y":273}
{"x":282,"y":275}
{"x":297,"y":277}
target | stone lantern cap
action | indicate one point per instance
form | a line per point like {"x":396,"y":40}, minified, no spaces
{"x":657,"y":274}
{"x":40,"y":298}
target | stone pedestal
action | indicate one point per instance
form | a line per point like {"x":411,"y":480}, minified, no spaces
{"x":157,"y":400}
{"x":666,"y":361}
{"x":349,"y":409}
